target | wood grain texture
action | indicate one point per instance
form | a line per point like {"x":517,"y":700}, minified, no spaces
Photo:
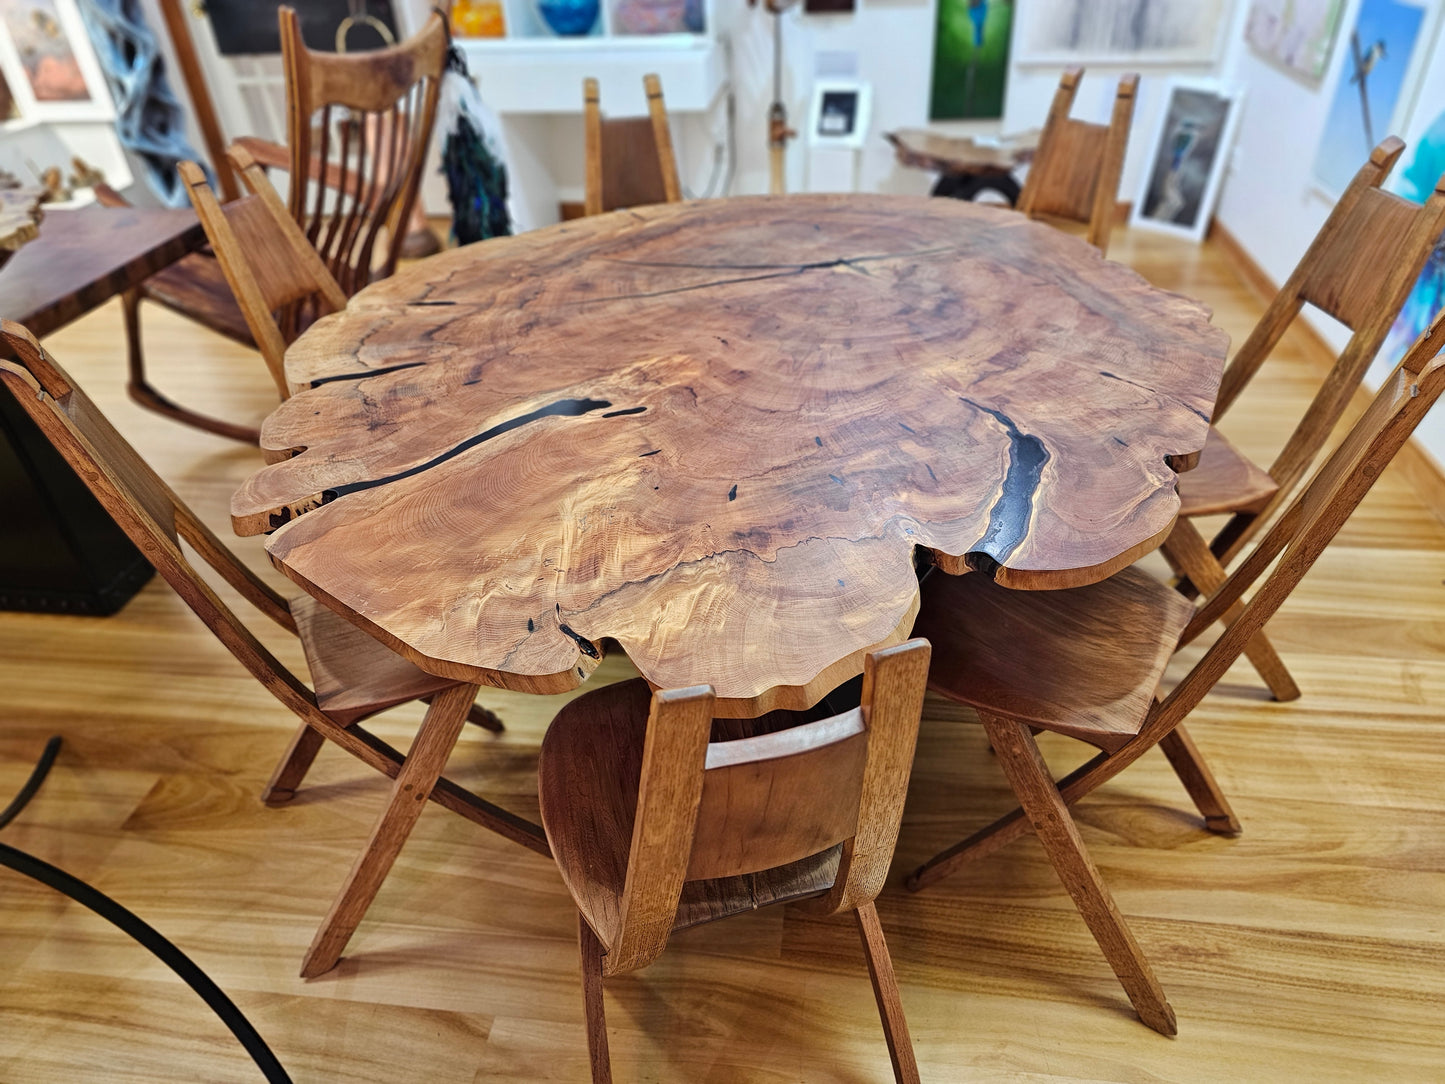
{"x":643,"y":809}
{"x":1307,"y":948}
{"x":739,"y":417}
{"x":1076,"y":168}
{"x":84,"y":257}
{"x":629,"y":160}
{"x":921,"y":148}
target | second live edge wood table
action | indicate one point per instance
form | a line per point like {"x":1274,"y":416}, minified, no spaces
{"x":717,"y":432}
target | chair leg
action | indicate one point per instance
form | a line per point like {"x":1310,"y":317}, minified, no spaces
{"x":480,"y":716}
{"x":885,"y":992}
{"x":145,"y":394}
{"x":419,"y":773}
{"x":1186,"y":549}
{"x":486,"y":719}
{"x":294,"y":765}
{"x":1199,"y":781}
{"x":1029,"y":776}
{"x":593,"y":1007}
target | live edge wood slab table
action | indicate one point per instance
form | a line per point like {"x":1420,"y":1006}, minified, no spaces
{"x":717,"y":432}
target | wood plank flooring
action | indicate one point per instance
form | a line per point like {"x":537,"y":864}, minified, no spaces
{"x":1310,"y":948}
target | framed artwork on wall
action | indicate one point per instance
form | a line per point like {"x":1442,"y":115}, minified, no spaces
{"x":48,"y":64}
{"x":970,"y":59}
{"x":1296,"y":35}
{"x":1123,"y":31}
{"x":840,"y":113}
{"x":1381,"y":62}
{"x":1415,"y":177}
{"x":1187,"y":158}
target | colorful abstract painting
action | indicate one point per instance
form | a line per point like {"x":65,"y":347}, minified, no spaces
{"x":45,"y":50}
{"x":1298,"y":35}
{"x":1420,"y":171}
{"x":1371,"y":84}
{"x":970,"y":59}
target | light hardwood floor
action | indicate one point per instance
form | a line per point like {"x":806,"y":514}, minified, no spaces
{"x":1310,"y":948}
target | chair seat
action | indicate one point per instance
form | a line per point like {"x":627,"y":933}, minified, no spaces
{"x":1225,"y":480}
{"x":1084,"y":661}
{"x":196,"y":287}
{"x":355,"y":674}
{"x":594,"y":747}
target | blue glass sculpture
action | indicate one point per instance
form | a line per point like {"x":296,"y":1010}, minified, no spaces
{"x":569,"y":17}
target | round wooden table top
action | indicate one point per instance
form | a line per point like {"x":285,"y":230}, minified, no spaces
{"x":716,"y":432}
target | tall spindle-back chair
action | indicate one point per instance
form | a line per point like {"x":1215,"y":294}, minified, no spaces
{"x":1087,"y":662}
{"x":630,"y":162}
{"x":655,"y":828}
{"x":1075,"y":171}
{"x":358,"y":125}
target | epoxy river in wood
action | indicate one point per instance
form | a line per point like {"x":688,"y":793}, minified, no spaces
{"x":716,"y":432}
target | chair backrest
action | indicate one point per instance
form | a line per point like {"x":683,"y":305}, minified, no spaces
{"x":1075,"y":171}
{"x":630,"y":162}
{"x":728,"y":808}
{"x":279,"y":280}
{"x":1301,"y":534}
{"x":151,"y":515}
{"x":1359,"y":269}
{"x":357,"y":125}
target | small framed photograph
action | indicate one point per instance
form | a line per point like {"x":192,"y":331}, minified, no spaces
{"x":47,"y":62}
{"x":1187,"y":158}
{"x":840,"y":113}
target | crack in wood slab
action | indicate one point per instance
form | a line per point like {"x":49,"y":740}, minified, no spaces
{"x":990,"y":392}
{"x":561,"y":408}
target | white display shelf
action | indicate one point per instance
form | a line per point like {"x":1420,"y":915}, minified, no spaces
{"x":544,"y":74}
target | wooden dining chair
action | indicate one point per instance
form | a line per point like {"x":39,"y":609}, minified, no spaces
{"x":629,"y":159}
{"x":277,"y":278}
{"x":353,"y":676}
{"x":1086,"y":662}
{"x":655,"y":828}
{"x":358,"y":125}
{"x":1359,"y":269}
{"x":1075,"y":171}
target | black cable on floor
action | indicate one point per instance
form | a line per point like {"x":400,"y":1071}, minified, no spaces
{"x":42,"y":769}
{"x":134,"y":927}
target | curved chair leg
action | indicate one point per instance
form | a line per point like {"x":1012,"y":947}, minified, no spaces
{"x":142,"y":392}
{"x":593,"y":1007}
{"x":885,"y":992}
{"x":1029,"y":776}
{"x":294,"y":765}
{"x":1199,"y":781}
{"x":419,"y":773}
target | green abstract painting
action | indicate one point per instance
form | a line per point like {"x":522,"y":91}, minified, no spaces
{"x":970,"y":58}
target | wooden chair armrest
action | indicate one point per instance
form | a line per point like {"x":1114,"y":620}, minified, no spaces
{"x":270,"y":154}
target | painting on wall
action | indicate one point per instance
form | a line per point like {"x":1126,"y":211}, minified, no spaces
{"x":1123,"y":31}
{"x":970,"y":59}
{"x":48,"y":63}
{"x":1187,"y":159}
{"x":1297,"y":35}
{"x":1370,"y":89}
{"x":1419,"y":172}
